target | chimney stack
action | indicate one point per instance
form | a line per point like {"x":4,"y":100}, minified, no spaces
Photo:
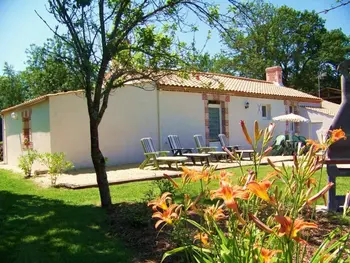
{"x":274,"y":74}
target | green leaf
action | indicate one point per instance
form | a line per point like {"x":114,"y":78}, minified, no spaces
{"x":174,"y":251}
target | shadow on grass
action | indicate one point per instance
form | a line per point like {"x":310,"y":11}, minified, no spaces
{"x":34,"y":229}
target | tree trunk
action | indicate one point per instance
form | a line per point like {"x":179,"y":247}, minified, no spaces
{"x":99,"y":165}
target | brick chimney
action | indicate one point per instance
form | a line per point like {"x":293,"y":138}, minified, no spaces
{"x":274,"y":74}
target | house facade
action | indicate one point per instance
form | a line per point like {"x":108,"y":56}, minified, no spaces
{"x":204,"y":103}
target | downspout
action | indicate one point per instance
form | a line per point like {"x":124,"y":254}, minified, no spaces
{"x":158,"y":119}
{"x":4,"y":140}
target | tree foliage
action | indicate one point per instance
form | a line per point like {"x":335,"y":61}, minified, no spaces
{"x":12,"y":88}
{"x":114,"y":42}
{"x":46,"y":71}
{"x":295,"y":40}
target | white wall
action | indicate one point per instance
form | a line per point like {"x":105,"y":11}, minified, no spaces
{"x":40,"y":125}
{"x":237,"y":112}
{"x":181,"y":113}
{"x":131,"y":115}
{"x":315,"y":117}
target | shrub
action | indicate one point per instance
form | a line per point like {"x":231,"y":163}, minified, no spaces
{"x":56,"y":164}
{"x":25,"y":162}
{"x":256,"y":220}
{"x":165,"y":185}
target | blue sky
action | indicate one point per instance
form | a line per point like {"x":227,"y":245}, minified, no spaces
{"x":20,"y":26}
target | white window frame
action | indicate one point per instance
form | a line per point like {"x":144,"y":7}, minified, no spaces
{"x":268,"y":112}
{"x":217,"y":106}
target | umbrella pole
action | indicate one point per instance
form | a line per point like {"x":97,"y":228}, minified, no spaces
{"x":309,"y":128}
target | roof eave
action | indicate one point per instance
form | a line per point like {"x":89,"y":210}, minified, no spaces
{"x":37,"y":100}
{"x":24,"y":104}
{"x":236,"y":93}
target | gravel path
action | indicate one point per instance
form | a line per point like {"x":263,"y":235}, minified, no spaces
{"x":84,"y":178}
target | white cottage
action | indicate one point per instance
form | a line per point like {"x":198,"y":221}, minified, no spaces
{"x":205,"y":104}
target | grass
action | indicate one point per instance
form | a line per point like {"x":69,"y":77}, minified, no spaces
{"x":60,"y":225}
{"x":342,"y":183}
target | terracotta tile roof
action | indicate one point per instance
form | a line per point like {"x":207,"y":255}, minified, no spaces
{"x":327,"y":107}
{"x":37,"y":100}
{"x":209,"y":81}
{"x":231,"y":84}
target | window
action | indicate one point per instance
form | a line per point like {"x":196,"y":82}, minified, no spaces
{"x":266,"y":112}
{"x":26,"y":131}
{"x":291,"y":109}
{"x":215,"y":124}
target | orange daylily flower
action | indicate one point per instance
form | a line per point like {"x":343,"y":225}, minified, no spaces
{"x":245,"y":132}
{"x":161,"y":202}
{"x":337,"y":134}
{"x":327,"y":258}
{"x":203,"y":237}
{"x":223,"y":176}
{"x":216,"y":212}
{"x":229,"y":193}
{"x":291,"y":229}
{"x":193,"y":175}
{"x":205,"y":175}
{"x":321,"y":193}
{"x":167,"y":216}
{"x":260,"y":190}
{"x":267,"y":254}
{"x":317,"y":146}
{"x":190,"y":175}
{"x":311,"y":181}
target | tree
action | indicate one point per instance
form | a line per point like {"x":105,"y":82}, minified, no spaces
{"x":46,"y":71}
{"x":118,"y":41}
{"x":297,"y":41}
{"x":12,"y":89}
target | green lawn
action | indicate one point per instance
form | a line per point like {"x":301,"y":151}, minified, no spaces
{"x":342,"y":184}
{"x":59,"y":225}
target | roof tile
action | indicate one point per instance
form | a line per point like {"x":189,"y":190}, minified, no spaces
{"x":328,"y":108}
{"x":235,"y":84}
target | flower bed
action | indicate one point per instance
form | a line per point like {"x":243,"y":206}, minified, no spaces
{"x":256,"y":220}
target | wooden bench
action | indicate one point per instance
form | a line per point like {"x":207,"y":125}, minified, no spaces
{"x":336,"y":168}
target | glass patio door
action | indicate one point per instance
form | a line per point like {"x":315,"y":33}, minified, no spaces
{"x":215,"y":126}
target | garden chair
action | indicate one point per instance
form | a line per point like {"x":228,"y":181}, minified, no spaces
{"x":177,"y":149}
{"x":156,"y":157}
{"x":278,"y":145}
{"x":201,"y":148}
{"x":235,"y":148}
{"x":223,"y":142}
{"x":302,"y":139}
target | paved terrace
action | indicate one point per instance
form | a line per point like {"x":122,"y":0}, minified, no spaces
{"x":85,"y":178}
